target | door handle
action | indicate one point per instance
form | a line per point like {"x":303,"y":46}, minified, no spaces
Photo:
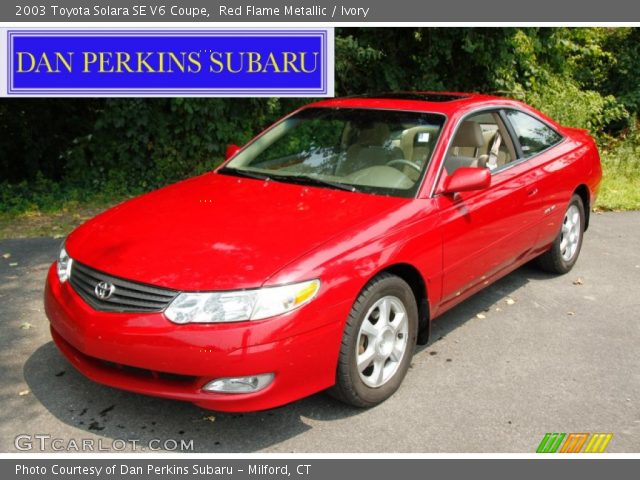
{"x":532,"y":192}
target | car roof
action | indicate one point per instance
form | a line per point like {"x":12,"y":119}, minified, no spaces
{"x":440,"y":102}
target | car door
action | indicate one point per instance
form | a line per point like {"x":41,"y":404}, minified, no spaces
{"x":539,"y":145}
{"x":485,"y":232}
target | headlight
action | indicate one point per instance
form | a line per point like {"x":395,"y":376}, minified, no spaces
{"x":64,"y":265}
{"x":241,"y":305}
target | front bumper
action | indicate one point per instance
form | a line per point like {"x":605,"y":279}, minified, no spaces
{"x":148,"y":354}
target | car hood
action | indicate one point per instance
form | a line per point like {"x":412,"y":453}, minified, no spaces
{"x":219,"y":232}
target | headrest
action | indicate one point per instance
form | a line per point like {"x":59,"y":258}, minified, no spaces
{"x":412,"y":136}
{"x":376,"y":134}
{"x":469,"y":135}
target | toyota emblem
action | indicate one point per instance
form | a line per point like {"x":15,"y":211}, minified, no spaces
{"x":104,"y":290}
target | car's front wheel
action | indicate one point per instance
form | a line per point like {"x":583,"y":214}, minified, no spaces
{"x":378,"y":342}
{"x":564,"y":251}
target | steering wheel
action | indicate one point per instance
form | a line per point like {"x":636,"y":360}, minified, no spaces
{"x":408,"y":163}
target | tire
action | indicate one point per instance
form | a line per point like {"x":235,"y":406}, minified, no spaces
{"x":390,"y":343}
{"x":561,"y":257}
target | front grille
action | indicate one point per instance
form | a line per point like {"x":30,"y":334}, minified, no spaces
{"x":145,"y":373}
{"x":127,"y":296}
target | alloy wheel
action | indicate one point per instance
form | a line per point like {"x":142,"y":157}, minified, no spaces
{"x":570,"y":233}
{"x":382,"y":341}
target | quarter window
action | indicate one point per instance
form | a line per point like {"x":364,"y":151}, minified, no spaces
{"x":533,"y":135}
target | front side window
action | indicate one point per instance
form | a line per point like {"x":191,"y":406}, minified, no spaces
{"x":482,"y":141}
{"x":376,"y":151}
{"x":533,"y":135}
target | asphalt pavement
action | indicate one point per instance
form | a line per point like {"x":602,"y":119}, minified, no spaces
{"x":531,"y":354}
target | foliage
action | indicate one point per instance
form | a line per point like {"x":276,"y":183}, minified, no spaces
{"x":622,"y":78}
{"x":54,"y":152}
{"x":145,"y":143}
{"x":565,"y":102}
{"x":620,"y":187}
{"x":565,"y":72}
{"x":35,"y":132}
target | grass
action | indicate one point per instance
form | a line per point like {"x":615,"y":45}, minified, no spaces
{"x":47,"y":210}
{"x":619,"y":194}
{"x":620,"y":187}
{"x":56,"y":224}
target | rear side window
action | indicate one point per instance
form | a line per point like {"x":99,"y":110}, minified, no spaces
{"x":533,"y":135}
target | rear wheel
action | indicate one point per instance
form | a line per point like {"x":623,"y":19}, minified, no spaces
{"x":564,"y":251}
{"x":378,"y":342}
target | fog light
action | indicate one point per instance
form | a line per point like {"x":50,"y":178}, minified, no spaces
{"x":251,"y":384}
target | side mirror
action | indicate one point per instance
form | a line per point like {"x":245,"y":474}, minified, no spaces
{"x":231,"y":150}
{"x":466,"y":179}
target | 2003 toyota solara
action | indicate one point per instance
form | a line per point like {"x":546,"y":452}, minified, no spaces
{"x":318,"y":254}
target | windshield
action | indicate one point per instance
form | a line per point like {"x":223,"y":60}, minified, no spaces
{"x":377,"y":151}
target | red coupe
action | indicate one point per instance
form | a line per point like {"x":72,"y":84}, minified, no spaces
{"x":317,"y":255}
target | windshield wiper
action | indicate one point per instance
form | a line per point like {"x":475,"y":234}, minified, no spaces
{"x":299,"y":179}
{"x":244,"y":173}
{"x":306,"y":180}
